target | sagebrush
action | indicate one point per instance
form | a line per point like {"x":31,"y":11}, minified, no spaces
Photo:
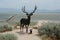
{"x":5,"y":28}
{"x":51,"y":30}
{"x":8,"y":37}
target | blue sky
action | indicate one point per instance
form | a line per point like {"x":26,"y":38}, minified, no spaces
{"x":41,"y":4}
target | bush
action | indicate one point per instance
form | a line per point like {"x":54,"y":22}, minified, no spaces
{"x":8,"y":37}
{"x":51,"y":30}
{"x":16,"y":24}
{"x":5,"y":28}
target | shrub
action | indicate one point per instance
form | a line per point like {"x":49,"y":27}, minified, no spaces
{"x":8,"y":28}
{"x":16,"y":24}
{"x":51,"y":30}
{"x":8,"y":37}
{"x":5,"y":28}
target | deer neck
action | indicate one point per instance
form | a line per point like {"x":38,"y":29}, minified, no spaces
{"x":29,"y":18}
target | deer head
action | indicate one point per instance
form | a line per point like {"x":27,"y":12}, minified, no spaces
{"x":23,"y":9}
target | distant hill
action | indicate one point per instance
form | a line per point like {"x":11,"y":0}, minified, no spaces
{"x":8,"y":10}
{"x":45,"y":10}
{"x":48,"y":10}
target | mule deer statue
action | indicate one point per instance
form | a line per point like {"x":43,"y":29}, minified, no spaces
{"x":26,"y":21}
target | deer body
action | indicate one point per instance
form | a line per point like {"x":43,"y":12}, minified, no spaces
{"x":26,"y":21}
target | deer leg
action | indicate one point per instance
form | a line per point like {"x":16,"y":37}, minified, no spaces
{"x":26,"y":28}
{"x":22,"y":27}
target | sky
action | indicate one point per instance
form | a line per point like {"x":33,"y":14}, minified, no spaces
{"x":30,"y":4}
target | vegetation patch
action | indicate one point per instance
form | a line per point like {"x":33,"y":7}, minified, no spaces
{"x":50,"y":31}
{"x":8,"y":37}
{"x":5,"y":28}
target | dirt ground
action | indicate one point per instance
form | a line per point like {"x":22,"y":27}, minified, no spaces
{"x":26,"y":36}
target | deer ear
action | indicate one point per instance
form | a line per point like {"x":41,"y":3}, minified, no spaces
{"x":26,"y":13}
{"x":31,"y":14}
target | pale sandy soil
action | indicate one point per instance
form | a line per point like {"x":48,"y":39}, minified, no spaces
{"x":24,"y":35}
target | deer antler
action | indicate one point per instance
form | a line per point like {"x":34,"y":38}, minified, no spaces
{"x":34,"y":10}
{"x":23,"y":9}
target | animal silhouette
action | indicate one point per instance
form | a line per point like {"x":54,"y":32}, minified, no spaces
{"x":26,"y":21}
